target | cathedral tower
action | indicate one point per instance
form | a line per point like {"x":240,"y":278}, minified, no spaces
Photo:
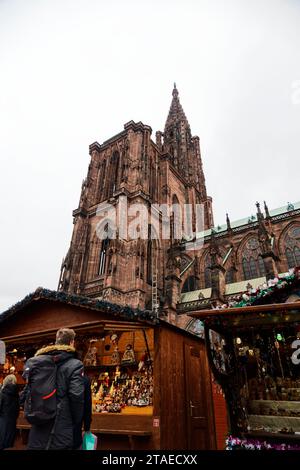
{"x":130,"y":267}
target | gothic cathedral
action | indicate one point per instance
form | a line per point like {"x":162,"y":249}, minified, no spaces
{"x":156,"y":272}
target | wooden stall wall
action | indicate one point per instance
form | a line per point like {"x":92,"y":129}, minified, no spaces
{"x":42,"y":315}
{"x":183,"y":401}
{"x":221,"y":417}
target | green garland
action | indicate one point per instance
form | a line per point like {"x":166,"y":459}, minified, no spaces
{"x":112,"y":309}
{"x":262,"y":294}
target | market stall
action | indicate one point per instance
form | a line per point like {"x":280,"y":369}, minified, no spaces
{"x":253,"y":350}
{"x":147,"y":376}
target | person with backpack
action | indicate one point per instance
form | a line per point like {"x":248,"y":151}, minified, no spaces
{"x":9,"y":411}
{"x":54,"y":396}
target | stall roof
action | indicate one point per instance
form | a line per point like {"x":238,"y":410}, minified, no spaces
{"x":254,"y":316}
{"x":217,"y":312}
{"x":125,"y":312}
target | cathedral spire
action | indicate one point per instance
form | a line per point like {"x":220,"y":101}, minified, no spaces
{"x":177,"y":136}
{"x":176,"y":114}
{"x":183,"y":151}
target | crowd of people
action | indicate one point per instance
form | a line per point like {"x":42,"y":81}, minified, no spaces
{"x":56,"y":398}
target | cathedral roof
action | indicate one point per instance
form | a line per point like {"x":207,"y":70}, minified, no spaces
{"x":251,"y":219}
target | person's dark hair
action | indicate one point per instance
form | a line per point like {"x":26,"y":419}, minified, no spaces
{"x":65,"y":336}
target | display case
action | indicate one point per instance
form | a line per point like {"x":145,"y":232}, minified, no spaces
{"x":120,"y":366}
{"x":270,"y":381}
{"x":254,"y":354}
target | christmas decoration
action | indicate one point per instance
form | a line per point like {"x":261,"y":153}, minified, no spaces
{"x":268,"y":292}
{"x":131,"y":388}
{"x":236,"y":443}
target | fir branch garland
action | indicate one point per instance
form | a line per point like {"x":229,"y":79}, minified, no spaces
{"x":125,"y":312}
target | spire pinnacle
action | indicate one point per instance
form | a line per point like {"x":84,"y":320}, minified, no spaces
{"x":175,"y":91}
{"x":228,"y":222}
{"x":259,"y":212}
{"x":266,"y":210}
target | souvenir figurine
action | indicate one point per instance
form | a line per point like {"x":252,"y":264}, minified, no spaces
{"x":106,"y":380}
{"x":115,"y":357}
{"x":90,"y":358}
{"x":114,"y":339}
{"x":128,"y":356}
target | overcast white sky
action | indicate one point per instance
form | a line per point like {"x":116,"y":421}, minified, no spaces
{"x":73,"y":72}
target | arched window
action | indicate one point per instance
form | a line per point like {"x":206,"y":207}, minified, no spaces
{"x":261,"y":266}
{"x":297,"y":255}
{"x":207,"y":272}
{"x":293,"y":257}
{"x":289,"y":257}
{"x":253,"y":268}
{"x":176,"y":226}
{"x":101,"y":181}
{"x":103,"y":256}
{"x":104,"y":251}
{"x":252,"y":262}
{"x":190,"y":284}
{"x":292,"y":247}
{"x":246,"y":269}
{"x":113,"y":174}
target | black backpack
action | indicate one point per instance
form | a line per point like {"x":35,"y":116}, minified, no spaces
{"x":41,"y":395}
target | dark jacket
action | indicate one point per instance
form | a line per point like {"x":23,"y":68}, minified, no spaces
{"x":70,"y":400}
{"x":87,"y":414}
{"x":9,"y":410}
